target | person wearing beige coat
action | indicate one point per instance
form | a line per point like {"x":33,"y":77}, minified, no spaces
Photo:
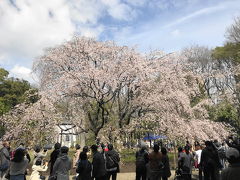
{"x":38,"y":167}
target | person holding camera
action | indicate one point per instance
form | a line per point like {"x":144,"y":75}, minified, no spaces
{"x":37,"y":168}
{"x":38,"y":154}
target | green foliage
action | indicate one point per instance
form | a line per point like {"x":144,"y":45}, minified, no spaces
{"x":225,"y":112}
{"x":11,"y":91}
{"x":230,"y":51}
{"x":3,"y":74}
{"x":90,"y":139}
{"x":128,"y":155}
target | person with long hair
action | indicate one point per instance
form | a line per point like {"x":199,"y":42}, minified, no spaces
{"x":18,"y":165}
{"x":166,"y":167}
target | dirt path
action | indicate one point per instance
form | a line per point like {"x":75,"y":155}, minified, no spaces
{"x":131,"y":176}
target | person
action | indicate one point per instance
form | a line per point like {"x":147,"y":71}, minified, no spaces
{"x":103,"y":147}
{"x":233,"y":171}
{"x":4,"y":159}
{"x":155,"y":164}
{"x":188,"y":145}
{"x":76,"y":155}
{"x":38,"y":167}
{"x":99,"y":171}
{"x":210,"y":162}
{"x":54,"y":155}
{"x":185,"y":163}
{"x":222,"y":154}
{"x":141,"y":162}
{"x":84,"y":168}
{"x":198,"y":153}
{"x":38,"y":154}
{"x":62,"y":165}
{"x":18,"y":165}
{"x":85,"y":151}
{"x":166,"y":173}
{"x":112,"y":162}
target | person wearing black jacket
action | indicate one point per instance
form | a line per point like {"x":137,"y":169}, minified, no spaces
{"x":210,"y":162}
{"x":84,"y":168}
{"x":112,"y":164}
{"x":141,"y":162}
{"x":166,"y":167}
{"x":54,"y":155}
{"x":99,"y":171}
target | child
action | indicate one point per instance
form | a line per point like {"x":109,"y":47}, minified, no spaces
{"x":38,"y":168}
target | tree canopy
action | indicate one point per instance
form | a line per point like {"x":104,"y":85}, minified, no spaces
{"x":11,"y":91}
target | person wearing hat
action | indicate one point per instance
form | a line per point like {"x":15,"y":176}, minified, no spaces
{"x":62,"y":165}
{"x":233,"y":171}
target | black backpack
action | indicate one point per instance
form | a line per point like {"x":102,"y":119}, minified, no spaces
{"x":140,"y":159}
{"x":111,"y":164}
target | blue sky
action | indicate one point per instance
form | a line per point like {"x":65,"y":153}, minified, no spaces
{"x":30,"y":26}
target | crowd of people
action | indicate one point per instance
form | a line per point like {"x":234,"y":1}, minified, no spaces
{"x":213,"y":160}
{"x":104,"y":165}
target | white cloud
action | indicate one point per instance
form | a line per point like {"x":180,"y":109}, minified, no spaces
{"x":197,"y":13}
{"x":25,"y":32}
{"x":21,"y":72}
{"x":91,"y":32}
{"x":86,"y":11}
{"x":175,"y":33}
{"x":30,"y":26}
{"x":138,"y":3}
{"x":119,"y":10}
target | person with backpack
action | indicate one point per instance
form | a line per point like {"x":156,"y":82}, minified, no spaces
{"x":112,"y":162}
{"x":84,"y":168}
{"x":141,"y":162}
{"x":210,"y":162}
{"x":99,"y":170}
{"x":155,"y":164}
{"x":62,"y":165}
{"x":166,"y":167}
{"x":4,"y":159}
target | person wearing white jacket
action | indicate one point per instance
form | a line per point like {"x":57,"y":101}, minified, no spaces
{"x":38,"y":167}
